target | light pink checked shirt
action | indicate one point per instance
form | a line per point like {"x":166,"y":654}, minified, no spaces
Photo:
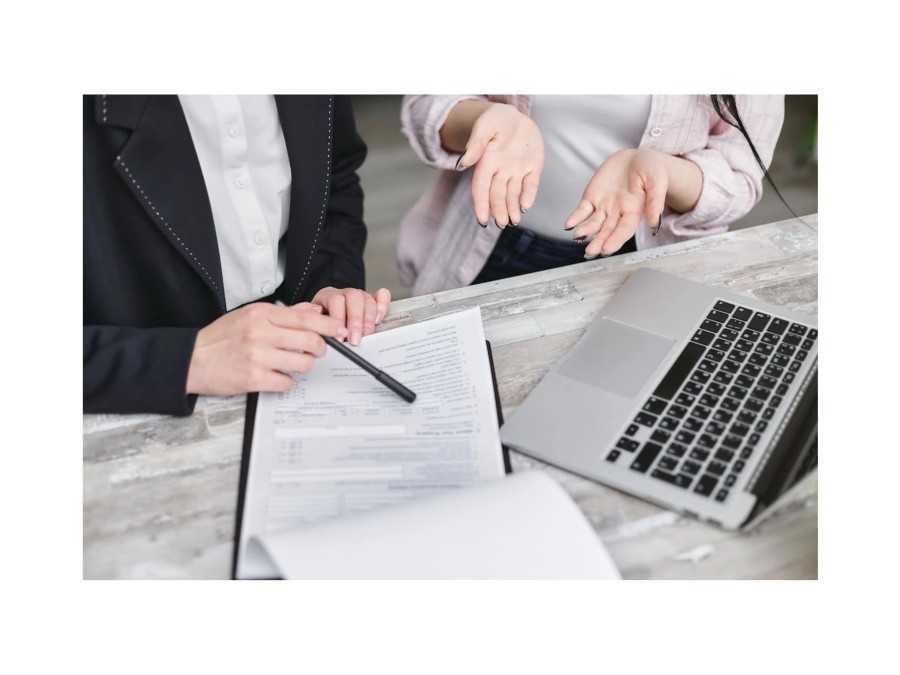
{"x":440,"y":246}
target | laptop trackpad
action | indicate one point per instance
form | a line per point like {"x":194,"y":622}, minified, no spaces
{"x":616,"y":357}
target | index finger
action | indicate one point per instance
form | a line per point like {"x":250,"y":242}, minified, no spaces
{"x":288,"y":317}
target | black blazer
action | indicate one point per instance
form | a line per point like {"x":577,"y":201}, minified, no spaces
{"x":152,"y":275}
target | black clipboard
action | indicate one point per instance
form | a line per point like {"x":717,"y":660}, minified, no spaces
{"x":250,"y":419}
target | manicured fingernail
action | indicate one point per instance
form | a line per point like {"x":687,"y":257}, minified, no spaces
{"x":523,"y":210}
{"x":342,"y":332}
{"x":483,"y":225}
{"x":355,"y":337}
{"x":590,"y":257}
{"x":458,"y":167}
{"x":578,"y":240}
{"x":655,"y":230}
{"x":572,"y":227}
{"x":605,"y":255}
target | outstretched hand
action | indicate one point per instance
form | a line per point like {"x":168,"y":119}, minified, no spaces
{"x":507,"y":150}
{"x":631,"y":184}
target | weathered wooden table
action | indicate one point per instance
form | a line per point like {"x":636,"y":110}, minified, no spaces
{"x":160,"y":492}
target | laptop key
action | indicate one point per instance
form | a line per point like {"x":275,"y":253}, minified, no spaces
{"x":722,"y":416}
{"x":716,"y":468}
{"x":759,"y":321}
{"x":798,"y":329}
{"x":724,"y":455}
{"x":807,"y":344}
{"x":706,"y":485}
{"x":751,"y":370}
{"x":768,"y":382}
{"x":715,"y":355}
{"x":774,"y":371}
{"x":791,"y":339}
{"x":693,"y":388}
{"x":645,"y":419}
{"x":684,"y":437}
{"x":733,"y":442}
{"x":692,"y":424}
{"x":668,"y":423}
{"x":787,"y":350}
{"x":775,"y":401}
{"x":802,"y":354}
{"x":743,"y":313}
{"x":677,"y":411}
{"x":753,"y":405}
{"x":737,"y":356}
{"x":738,"y":393}
{"x":744,"y":345}
{"x":813,"y":334}
{"x":761,"y":393}
{"x":782,"y":389}
{"x":735,"y":324}
{"x":690,"y":468}
{"x":747,"y":416}
{"x":678,"y":373}
{"x":764,"y":348}
{"x":631,"y":430}
{"x":709,"y":401}
{"x":739,"y":429}
{"x":723,"y":306}
{"x":667,"y":463}
{"x":678,"y":480}
{"x":729,"y":334}
{"x":754,"y":439}
{"x":730,"y":480}
{"x":724,"y":378}
{"x":770,"y":338}
{"x":627,"y":444}
{"x":655,"y":405}
{"x":795,"y":366}
{"x":757,"y":359}
{"x":700,"y":376}
{"x":744,"y":381}
{"x":703,"y":337}
{"x":768,"y":413}
{"x":715,"y":389}
{"x":715,"y":428}
{"x":685,"y":399}
{"x":722,"y":495}
{"x":731,"y":367}
{"x":780,"y":360}
{"x":707,"y":441}
{"x":646,"y":456}
{"x":700,"y":412}
{"x":612,"y":456}
{"x":707,"y":366}
{"x":721,"y":344}
{"x":676,"y":450}
{"x":778,"y":326}
{"x":731,"y":404}
{"x":699,"y":454}
{"x":746,"y":452}
{"x":711,"y":326}
{"x":738,"y":466}
{"x":750,"y":335}
{"x":661,"y":436}
{"x":788,"y":378}
{"x":716,"y":315}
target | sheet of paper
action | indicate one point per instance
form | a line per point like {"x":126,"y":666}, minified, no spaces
{"x":340,"y":443}
{"x":523,"y":526}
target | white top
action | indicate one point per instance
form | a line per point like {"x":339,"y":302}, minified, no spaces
{"x":580,"y":133}
{"x":240,"y":145}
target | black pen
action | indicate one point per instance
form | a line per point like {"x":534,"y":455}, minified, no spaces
{"x":379,"y":375}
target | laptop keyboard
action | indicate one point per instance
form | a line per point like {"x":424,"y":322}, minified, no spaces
{"x":704,"y":420}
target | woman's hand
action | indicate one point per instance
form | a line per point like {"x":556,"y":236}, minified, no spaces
{"x":359,"y":311}
{"x":631,"y":184}
{"x":507,"y":150}
{"x":254,"y":347}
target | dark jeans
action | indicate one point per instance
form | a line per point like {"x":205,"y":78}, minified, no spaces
{"x":521,"y":251}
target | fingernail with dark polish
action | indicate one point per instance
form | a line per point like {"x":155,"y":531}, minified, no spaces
{"x":523,"y":210}
{"x":655,"y":230}
{"x":569,"y":228}
{"x":458,"y":168}
{"x":578,"y":240}
{"x":483,"y":225}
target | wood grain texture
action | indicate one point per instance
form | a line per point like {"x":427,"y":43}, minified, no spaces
{"x":160,"y":492}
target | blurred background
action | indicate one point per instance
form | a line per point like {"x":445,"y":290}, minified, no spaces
{"x":393,"y":178}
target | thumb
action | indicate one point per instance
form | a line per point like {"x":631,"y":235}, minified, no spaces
{"x":478,"y":141}
{"x":653,"y":207}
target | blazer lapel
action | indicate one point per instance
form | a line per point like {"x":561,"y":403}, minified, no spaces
{"x":306,"y":122}
{"x":160,"y":167}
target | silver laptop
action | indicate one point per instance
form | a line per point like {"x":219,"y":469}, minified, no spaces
{"x":693,"y":397}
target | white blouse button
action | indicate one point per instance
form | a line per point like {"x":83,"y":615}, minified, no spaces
{"x":655,"y":132}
